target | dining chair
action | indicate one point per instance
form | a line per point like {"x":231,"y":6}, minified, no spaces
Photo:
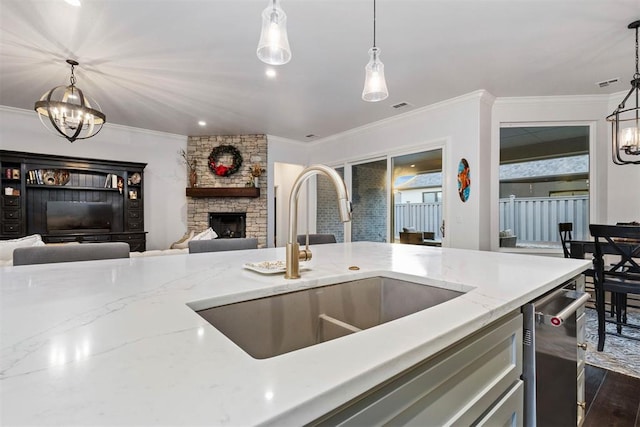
{"x":218,"y":245}
{"x":621,"y":276}
{"x":565,"y":229}
{"x":70,"y":253}
{"x":316,"y":239}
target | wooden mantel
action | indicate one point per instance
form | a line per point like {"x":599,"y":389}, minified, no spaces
{"x":223,"y":192}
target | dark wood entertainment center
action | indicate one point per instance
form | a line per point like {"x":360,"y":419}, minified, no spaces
{"x":30,"y":181}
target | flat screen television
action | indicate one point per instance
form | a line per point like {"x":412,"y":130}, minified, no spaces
{"x":78,"y":217}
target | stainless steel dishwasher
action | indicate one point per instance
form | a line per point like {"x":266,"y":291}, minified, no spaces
{"x":553,"y":357}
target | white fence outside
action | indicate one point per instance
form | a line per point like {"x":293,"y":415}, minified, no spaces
{"x":532,"y":219}
{"x":421,"y":216}
{"x":535,"y":219}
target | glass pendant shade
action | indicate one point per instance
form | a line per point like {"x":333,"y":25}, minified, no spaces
{"x":273,"y":47}
{"x":66,"y":111}
{"x":375,"y":85}
{"x":625,"y":121}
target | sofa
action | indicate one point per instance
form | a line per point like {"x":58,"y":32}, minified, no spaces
{"x":179,"y":247}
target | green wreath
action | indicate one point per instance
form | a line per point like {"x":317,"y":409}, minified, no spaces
{"x":218,"y":167}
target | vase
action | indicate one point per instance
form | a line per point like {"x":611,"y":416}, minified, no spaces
{"x":193,"y":179}
{"x":256,"y":182}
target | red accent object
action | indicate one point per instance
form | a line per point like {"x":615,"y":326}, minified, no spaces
{"x":555,"y":321}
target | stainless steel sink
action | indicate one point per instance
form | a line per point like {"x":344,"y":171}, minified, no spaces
{"x":278,"y":324}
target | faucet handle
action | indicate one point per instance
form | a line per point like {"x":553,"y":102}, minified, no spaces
{"x":305,"y":254}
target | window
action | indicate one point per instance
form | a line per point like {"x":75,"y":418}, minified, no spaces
{"x":544,"y":180}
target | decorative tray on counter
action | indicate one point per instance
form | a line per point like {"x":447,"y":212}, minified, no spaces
{"x":270,"y":267}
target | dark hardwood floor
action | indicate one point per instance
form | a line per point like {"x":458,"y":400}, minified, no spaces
{"x":613,"y":399}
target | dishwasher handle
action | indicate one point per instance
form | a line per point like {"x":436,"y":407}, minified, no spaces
{"x":579,"y":299}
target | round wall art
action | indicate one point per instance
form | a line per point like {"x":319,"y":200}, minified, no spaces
{"x":225,"y":160}
{"x":464,"y":180}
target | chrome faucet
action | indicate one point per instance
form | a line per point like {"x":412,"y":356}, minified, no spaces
{"x":294,"y":254}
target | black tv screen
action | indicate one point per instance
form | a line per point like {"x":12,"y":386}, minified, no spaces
{"x":78,"y":217}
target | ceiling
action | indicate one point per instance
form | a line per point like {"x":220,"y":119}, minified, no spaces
{"x":166,"y":64}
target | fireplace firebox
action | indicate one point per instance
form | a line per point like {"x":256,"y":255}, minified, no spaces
{"x":228,"y":224}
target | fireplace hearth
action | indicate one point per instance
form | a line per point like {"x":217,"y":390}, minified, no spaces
{"x":228,"y":225}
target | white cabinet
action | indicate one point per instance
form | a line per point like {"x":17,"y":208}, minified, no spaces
{"x":476,"y":381}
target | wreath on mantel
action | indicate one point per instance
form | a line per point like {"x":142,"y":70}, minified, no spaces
{"x":218,"y":166}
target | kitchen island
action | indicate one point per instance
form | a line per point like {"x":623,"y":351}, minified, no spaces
{"x":117,"y":342}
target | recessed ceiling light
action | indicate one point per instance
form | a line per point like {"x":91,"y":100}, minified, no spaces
{"x":73,"y":2}
{"x":413,"y":166}
{"x":202,"y":123}
{"x":270,"y":72}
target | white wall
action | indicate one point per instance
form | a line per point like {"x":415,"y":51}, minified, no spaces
{"x":456,"y":123}
{"x":281,"y":150}
{"x":164,"y":180}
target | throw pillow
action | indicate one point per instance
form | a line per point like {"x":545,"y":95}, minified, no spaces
{"x":409,"y":229}
{"x":183,"y":242}
{"x":7,"y":246}
{"x":207,"y":234}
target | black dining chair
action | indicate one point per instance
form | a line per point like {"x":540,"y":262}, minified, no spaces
{"x":316,"y":239}
{"x":621,"y":277}
{"x":565,"y":229}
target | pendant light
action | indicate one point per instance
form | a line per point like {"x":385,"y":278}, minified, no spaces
{"x":625,"y":123}
{"x":273,"y":47}
{"x":67,"y":111}
{"x":375,"y":86}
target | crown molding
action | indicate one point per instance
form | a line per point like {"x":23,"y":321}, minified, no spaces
{"x":287,"y":140}
{"x":564,"y":99}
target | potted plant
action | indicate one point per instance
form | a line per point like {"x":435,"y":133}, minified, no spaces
{"x":191,"y":163}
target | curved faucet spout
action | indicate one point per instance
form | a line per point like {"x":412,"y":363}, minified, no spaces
{"x":344,"y":208}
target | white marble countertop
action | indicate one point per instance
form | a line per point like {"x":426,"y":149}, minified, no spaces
{"x":114,"y":342}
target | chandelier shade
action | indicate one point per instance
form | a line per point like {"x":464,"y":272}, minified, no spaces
{"x":273,"y":47}
{"x":625,"y":121}
{"x":375,"y":85}
{"x":66,"y":110}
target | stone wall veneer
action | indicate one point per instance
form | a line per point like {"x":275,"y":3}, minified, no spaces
{"x":254,"y":150}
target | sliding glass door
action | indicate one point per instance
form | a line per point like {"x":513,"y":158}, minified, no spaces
{"x":417,"y":196}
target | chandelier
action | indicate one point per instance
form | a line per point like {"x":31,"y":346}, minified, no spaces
{"x":625,"y":122}
{"x":375,"y":86}
{"x":273,"y":47}
{"x":67,"y":111}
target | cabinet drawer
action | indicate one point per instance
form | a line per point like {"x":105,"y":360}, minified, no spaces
{"x":11,"y":214}
{"x":135,"y":204}
{"x":508,"y":411}
{"x":128,"y":237}
{"x":10,"y":228}
{"x":95,"y":238}
{"x":134,"y":214}
{"x":135,"y":225}
{"x":10,"y":201}
{"x":59,"y":239}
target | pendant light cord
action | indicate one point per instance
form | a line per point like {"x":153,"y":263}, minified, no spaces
{"x":637,"y":74}
{"x":374,"y":33}
{"x":73,"y":77}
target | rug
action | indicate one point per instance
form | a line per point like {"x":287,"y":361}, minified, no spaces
{"x":620,"y":354}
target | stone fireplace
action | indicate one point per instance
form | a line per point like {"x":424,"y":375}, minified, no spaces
{"x":228,"y":225}
{"x":253,"y":149}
